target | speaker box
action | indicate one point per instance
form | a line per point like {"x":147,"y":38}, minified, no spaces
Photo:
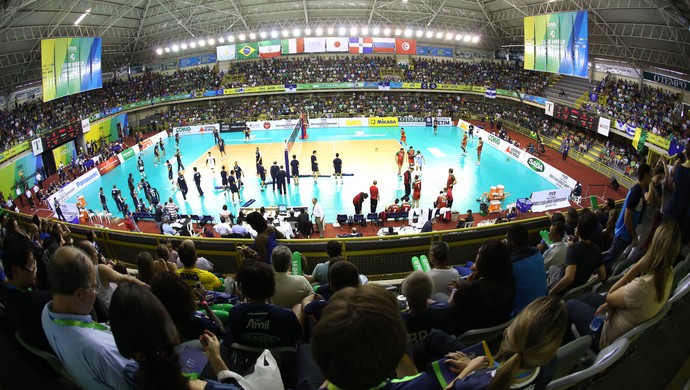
{"x":614,"y":183}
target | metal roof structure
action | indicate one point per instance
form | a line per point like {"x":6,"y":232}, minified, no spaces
{"x":638,"y":33}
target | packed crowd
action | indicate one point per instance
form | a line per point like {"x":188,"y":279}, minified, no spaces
{"x":652,"y":109}
{"x":59,"y":294}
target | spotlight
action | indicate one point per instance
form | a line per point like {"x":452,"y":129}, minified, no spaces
{"x":201,"y":43}
{"x":319,"y":31}
{"x":167,"y":50}
{"x":159,"y":51}
{"x":192,"y":44}
{"x":375,"y":31}
{"x":458,"y":37}
{"x":386,"y":31}
{"x":285,"y":33}
{"x":231,"y":39}
{"x":242,"y":37}
{"x":398,"y":32}
{"x":307,"y":31}
{"x":342,"y":31}
{"x":252,"y":36}
{"x":183,"y":46}
{"x":408,"y":33}
{"x":274,"y":34}
{"x":296,"y":32}
{"x":263,"y":35}
{"x":330,"y":30}
{"x":429,"y":34}
{"x":365,"y":31}
{"x":221,"y":40}
{"x":175,"y":48}
{"x":419,"y":33}
{"x":467,"y":38}
{"x":475,"y":39}
{"x":211,"y":42}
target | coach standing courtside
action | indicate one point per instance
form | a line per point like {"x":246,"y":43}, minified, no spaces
{"x":374,"y":193}
{"x":317,"y":213}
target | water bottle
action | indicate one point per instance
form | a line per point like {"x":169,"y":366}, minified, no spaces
{"x":402,"y":302}
{"x":597,"y":322}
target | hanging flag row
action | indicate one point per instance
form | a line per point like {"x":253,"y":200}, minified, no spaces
{"x":354,"y":45}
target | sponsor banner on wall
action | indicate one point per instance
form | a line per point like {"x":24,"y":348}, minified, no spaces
{"x":282,"y":124}
{"x":667,"y":80}
{"x":74,"y":187}
{"x":85,"y":125}
{"x":353,"y":122}
{"x":411,"y":121}
{"x":550,"y":199}
{"x":387,"y":121}
{"x":194,"y":130}
{"x":108,"y":165}
{"x":319,"y":123}
{"x":128,"y":153}
{"x":548,"y":172}
{"x":604,"y":126}
{"x":232,"y":127}
{"x":444,"y":121}
{"x":148,"y":142}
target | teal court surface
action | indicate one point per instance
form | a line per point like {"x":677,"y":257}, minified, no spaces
{"x":368,"y":154}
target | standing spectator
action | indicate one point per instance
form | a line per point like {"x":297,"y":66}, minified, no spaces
{"x":266,"y":236}
{"x":358,"y":200}
{"x":317,"y":213}
{"x":374,"y":193}
{"x":678,"y":206}
{"x":626,"y":225}
{"x":566,"y":149}
{"x":290,"y":289}
{"x":528,"y":268}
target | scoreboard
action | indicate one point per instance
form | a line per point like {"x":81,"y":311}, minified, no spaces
{"x":575,"y":116}
{"x":60,"y":135}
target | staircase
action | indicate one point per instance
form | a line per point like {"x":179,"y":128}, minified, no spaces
{"x":574,"y":88}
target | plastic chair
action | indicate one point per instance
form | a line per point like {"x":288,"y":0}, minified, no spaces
{"x":475,"y":336}
{"x":570,"y":354}
{"x":372,"y":217}
{"x":680,"y":292}
{"x":637,"y":331}
{"x":606,"y":285}
{"x":605,"y":359}
{"x":52,"y":361}
{"x":341,"y":219}
{"x":578,"y":291}
{"x":359,"y":218}
{"x":680,"y":271}
{"x":468,"y":224}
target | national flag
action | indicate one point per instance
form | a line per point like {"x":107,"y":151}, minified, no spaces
{"x":675,"y":148}
{"x":337,"y":44}
{"x":384,"y":85}
{"x":384,"y":45}
{"x":640,"y":138}
{"x":292,"y":46}
{"x":491,"y":93}
{"x":226,"y":53}
{"x":247,"y":50}
{"x":290,"y":87}
{"x":314,"y":45}
{"x":361,"y":45}
{"x":405,"y":46}
{"x":269,"y":49}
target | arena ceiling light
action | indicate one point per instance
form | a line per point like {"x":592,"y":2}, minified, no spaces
{"x":439,"y":35}
{"x":365,"y":31}
{"x":274,"y":34}
{"x":252,"y":36}
{"x":375,"y":31}
{"x":263,"y":35}
{"x":183,"y":46}
{"x":353,"y":31}
{"x":159,"y":51}
{"x":167,"y":50}
{"x":296,"y":32}
{"x":307,"y":31}
{"x":175,"y":48}
{"x":408,"y":33}
{"x":211,"y":42}
{"x":231,"y":38}
{"x":192,"y":44}
{"x":242,"y":37}
{"x":398,"y":32}
{"x":285,"y":33}
{"x":82,"y":16}
{"x":458,"y":37}
{"x":201,"y":43}
{"x":467,"y":38}
{"x":449,"y":36}
{"x":386,"y":31}
{"x":475,"y":39}
{"x":221,"y":40}
{"x":419,"y":33}
{"x":342,"y":31}
{"x":330,"y":30}
{"x":319,"y":31}
{"x":429,"y":34}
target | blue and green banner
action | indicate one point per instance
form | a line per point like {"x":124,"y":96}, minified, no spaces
{"x":69,"y":66}
{"x":20,"y":171}
{"x":557,"y":43}
{"x":64,"y":154}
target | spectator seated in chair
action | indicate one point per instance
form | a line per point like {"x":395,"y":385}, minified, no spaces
{"x":423,"y":314}
{"x":463,"y":221}
{"x":290,"y":289}
{"x":320,"y":274}
{"x":342,"y":274}
{"x":190,"y":271}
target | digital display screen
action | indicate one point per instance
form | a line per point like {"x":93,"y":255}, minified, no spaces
{"x":59,"y":136}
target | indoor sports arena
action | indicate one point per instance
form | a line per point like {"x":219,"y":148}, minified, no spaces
{"x":402,"y":194}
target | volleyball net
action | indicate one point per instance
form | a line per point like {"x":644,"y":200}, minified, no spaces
{"x":289,"y":142}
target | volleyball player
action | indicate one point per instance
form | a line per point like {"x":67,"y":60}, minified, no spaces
{"x":259,"y":159}
{"x":156,"y":155}
{"x":140,"y":164}
{"x":238,"y":174}
{"x":262,"y":175}
{"x":178,"y":156}
{"x":247,"y":133}
{"x":211,"y":161}
{"x":221,"y":147}
{"x":410,"y":156}
{"x":419,"y":161}
{"x":232,"y":183}
{"x":480,"y":145}
{"x":338,"y":168}
{"x":294,"y":168}
{"x":170,"y":174}
{"x":160,"y":143}
{"x":314,"y":166}
{"x":403,"y":137}
{"x":399,"y":158}
{"x":224,"y":179}
{"x":464,"y":145}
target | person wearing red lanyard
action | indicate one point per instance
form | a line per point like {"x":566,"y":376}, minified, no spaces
{"x":85,"y":347}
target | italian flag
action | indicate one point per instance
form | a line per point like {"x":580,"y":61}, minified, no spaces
{"x":292,"y":46}
{"x":268,"y":49}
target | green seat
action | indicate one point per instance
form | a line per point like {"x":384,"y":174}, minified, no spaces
{"x":223,"y":315}
{"x":221,"y":307}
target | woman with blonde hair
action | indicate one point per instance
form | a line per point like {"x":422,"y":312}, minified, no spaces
{"x":527,"y":354}
{"x":638,"y":296}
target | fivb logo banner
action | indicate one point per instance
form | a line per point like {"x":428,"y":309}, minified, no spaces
{"x":552,"y":199}
{"x":194,"y":130}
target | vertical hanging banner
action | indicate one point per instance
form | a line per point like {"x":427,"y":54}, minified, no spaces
{"x":69,"y":66}
{"x":557,"y":43}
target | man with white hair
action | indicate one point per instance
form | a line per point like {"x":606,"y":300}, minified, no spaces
{"x":290,"y":289}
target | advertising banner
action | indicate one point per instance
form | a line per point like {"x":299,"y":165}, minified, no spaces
{"x":667,"y":80}
{"x":434,"y":51}
{"x":550,"y":199}
{"x":302,"y":87}
{"x":411,"y":85}
{"x":548,"y":172}
{"x":320,"y":123}
{"x":21,"y":170}
{"x":15,"y":150}
{"x":383,"y":121}
{"x":557,"y":43}
{"x":232,"y":127}
{"x":128,"y":153}
{"x":85,"y":125}
{"x":69,"y":66}
{"x":106,"y":128}
{"x":194,"y":130}
{"x":74,"y":187}
{"x":148,"y":142}
{"x":64,"y":154}
{"x":108,"y":165}
{"x":353,"y":122}
{"x":282,"y":124}
{"x":604,"y":126}
{"x":411,"y":121}
{"x":444,"y":121}
{"x":265,"y":88}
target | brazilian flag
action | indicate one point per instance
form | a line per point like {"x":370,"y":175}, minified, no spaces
{"x":246,"y":51}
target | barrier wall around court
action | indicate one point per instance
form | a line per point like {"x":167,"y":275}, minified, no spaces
{"x":379,"y":258}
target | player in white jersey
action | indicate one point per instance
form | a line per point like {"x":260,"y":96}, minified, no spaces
{"x":211,"y":162}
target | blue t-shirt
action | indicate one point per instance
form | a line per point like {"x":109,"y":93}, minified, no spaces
{"x":530,"y":279}
{"x":633,"y":201}
{"x":436,"y":316}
